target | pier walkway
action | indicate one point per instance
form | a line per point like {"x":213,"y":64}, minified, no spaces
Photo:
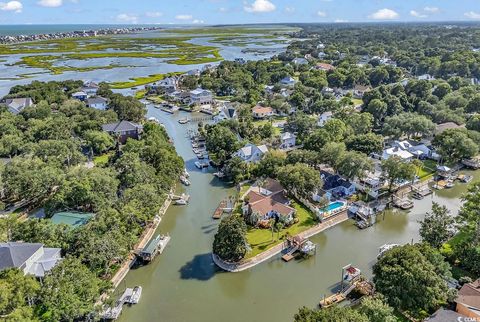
{"x":251,"y":262}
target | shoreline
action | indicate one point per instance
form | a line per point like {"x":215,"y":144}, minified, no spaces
{"x":275,"y":250}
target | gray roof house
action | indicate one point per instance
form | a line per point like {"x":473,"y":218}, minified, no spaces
{"x":124,"y":130}
{"x":97,"y":102}
{"x":16,"y":105}
{"x":31,"y":258}
{"x":251,"y":152}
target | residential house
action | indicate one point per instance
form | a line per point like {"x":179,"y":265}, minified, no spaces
{"x":360,"y":90}
{"x":440,"y":128}
{"x":325,"y":67}
{"x":321,"y":55}
{"x":180,"y":96}
{"x":321,"y":46}
{"x":251,"y":152}
{"x":300,"y":61}
{"x":468,"y":300}
{"x":240,"y":61}
{"x":328,"y":91}
{"x":90,"y":88}
{"x":167,"y":85}
{"x":443,"y":315}
{"x":16,"y":105}
{"x":124,"y":130}
{"x":31,"y":258}
{"x":201,"y":96}
{"x":194,"y":72}
{"x":334,"y":187}
{"x":324,"y":118}
{"x":261,"y":112}
{"x":287,"y":140}
{"x":97,"y":102}
{"x":418,"y":149}
{"x":398,"y":152}
{"x":288,"y":81}
{"x":81,"y":96}
{"x":370,"y":184}
{"x":269,"y":201}
{"x":72,"y":219}
{"x":226,"y":112}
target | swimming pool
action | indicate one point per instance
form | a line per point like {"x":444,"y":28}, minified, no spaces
{"x":334,"y":205}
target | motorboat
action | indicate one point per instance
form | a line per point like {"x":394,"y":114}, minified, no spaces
{"x":186,"y":174}
{"x":184,"y":180}
{"x":384,"y":248}
{"x":183,"y":121}
{"x":137,"y":293}
{"x":154,"y":119}
{"x":180,"y":202}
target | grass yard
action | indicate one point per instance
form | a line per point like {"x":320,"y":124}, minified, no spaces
{"x":101,"y":160}
{"x":261,"y":239}
{"x":427,"y":170}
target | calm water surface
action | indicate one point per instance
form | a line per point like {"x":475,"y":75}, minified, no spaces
{"x":183,"y":284}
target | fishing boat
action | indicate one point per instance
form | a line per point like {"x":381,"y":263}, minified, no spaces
{"x":219,"y":174}
{"x":136,"y":294}
{"x":384,"y":248}
{"x":181,"y":202}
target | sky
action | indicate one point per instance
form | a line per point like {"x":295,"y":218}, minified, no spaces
{"x":233,"y":11}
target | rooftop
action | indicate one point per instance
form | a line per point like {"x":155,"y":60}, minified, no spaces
{"x":121,"y":126}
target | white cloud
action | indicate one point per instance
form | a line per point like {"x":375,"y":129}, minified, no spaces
{"x":417,"y":14}
{"x":50,"y":3}
{"x":431,"y":9}
{"x":259,"y":6}
{"x":15,"y":6}
{"x":289,"y":9}
{"x":321,"y":13}
{"x":127,"y":18}
{"x":223,"y":9}
{"x":384,"y":14}
{"x":340,"y":20}
{"x":472,"y":15}
{"x":198,"y":21}
{"x":183,"y":17}
{"x":153,"y":14}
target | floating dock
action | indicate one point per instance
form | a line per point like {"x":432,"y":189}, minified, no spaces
{"x":129,"y":296}
{"x":154,"y":247}
{"x":219,"y":211}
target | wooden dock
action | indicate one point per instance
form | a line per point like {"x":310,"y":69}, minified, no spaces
{"x":289,"y":255}
{"x":219,"y":211}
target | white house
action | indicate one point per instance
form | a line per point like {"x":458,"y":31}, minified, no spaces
{"x":370,"y":184}
{"x":427,"y":77}
{"x":81,"y":96}
{"x":328,"y":91}
{"x":251,"y":152}
{"x":324,"y":118}
{"x":419,"y":150}
{"x":201,"y":96}
{"x":396,"y":151}
{"x":261,"y":112}
{"x":97,"y":102}
{"x":16,"y":105}
{"x":300,"y":61}
{"x":360,"y":90}
{"x":227,"y":112}
{"x":30,"y":258}
{"x":288,"y":81}
{"x":287,"y":140}
{"x":90,"y":88}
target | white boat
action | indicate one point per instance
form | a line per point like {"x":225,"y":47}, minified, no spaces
{"x":351,"y":273}
{"x":183,"y":121}
{"x":201,"y":165}
{"x":137,"y":293}
{"x":384,"y":248}
{"x":184,"y":181}
{"x":154,"y":119}
{"x":181,"y":202}
{"x":186,"y":174}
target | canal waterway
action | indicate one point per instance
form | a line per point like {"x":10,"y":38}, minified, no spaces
{"x":183,"y":284}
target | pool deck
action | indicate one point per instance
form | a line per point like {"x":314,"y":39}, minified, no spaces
{"x":269,"y":253}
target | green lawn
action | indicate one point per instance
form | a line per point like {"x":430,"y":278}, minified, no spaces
{"x":101,"y":160}
{"x":357,"y":101}
{"x":261,"y":239}
{"x":427,"y":170}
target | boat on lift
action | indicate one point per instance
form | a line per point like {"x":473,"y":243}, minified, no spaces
{"x":184,"y":180}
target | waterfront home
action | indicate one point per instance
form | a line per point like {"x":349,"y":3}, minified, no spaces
{"x":325,"y":67}
{"x":72,"y":219}
{"x":226,"y":112}
{"x":167,"y":85}
{"x":468,"y":300}
{"x":334,"y":187}
{"x":201,"y":96}
{"x":261,"y":112}
{"x":268,"y":201}
{"x":370,"y":184}
{"x":180,"y":96}
{"x":123,"y":130}
{"x":360,"y":90}
{"x":444,"y":315}
{"x":81,"y":96}
{"x":418,"y":149}
{"x":324,"y":118}
{"x":398,"y":152}
{"x":97,"y":102}
{"x":90,"y":88}
{"x":288,"y":81}
{"x":16,"y":105}
{"x":287,"y":140}
{"x":251,"y":152}
{"x":300,"y":61}
{"x":193,"y":72}
{"x":30,"y":258}
{"x":240,"y":60}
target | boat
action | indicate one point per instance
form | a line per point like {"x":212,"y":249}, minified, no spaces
{"x":153,"y":248}
{"x":384,"y":248}
{"x":154,"y":119}
{"x":219,"y":174}
{"x":183,"y":121}
{"x":186,"y":174}
{"x":136,"y":294}
{"x":351,"y":273}
{"x":184,"y":181}
{"x":181,"y":202}
{"x":466,"y":178}
{"x":201,"y":165}
{"x":449,"y":184}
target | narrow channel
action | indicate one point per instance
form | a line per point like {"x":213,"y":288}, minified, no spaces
{"x":182,"y":284}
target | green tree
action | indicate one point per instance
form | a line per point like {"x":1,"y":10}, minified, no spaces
{"x":365,"y":143}
{"x":299,"y":179}
{"x":127,"y":107}
{"x":378,"y":109}
{"x":270,"y":163}
{"x":331,"y":153}
{"x":377,"y":310}
{"x":331,"y":314}
{"x":354,"y":165}
{"x":455,"y":145}
{"x":230,"y":242}
{"x":68,"y":292}
{"x":437,"y":226}
{"x":221,"y":142}
{"x":469,"y":215}
{"x":409,"y":280}
{"x":99,"y":141}
{"x":396,"y":170}
{"x":18,"y":294}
